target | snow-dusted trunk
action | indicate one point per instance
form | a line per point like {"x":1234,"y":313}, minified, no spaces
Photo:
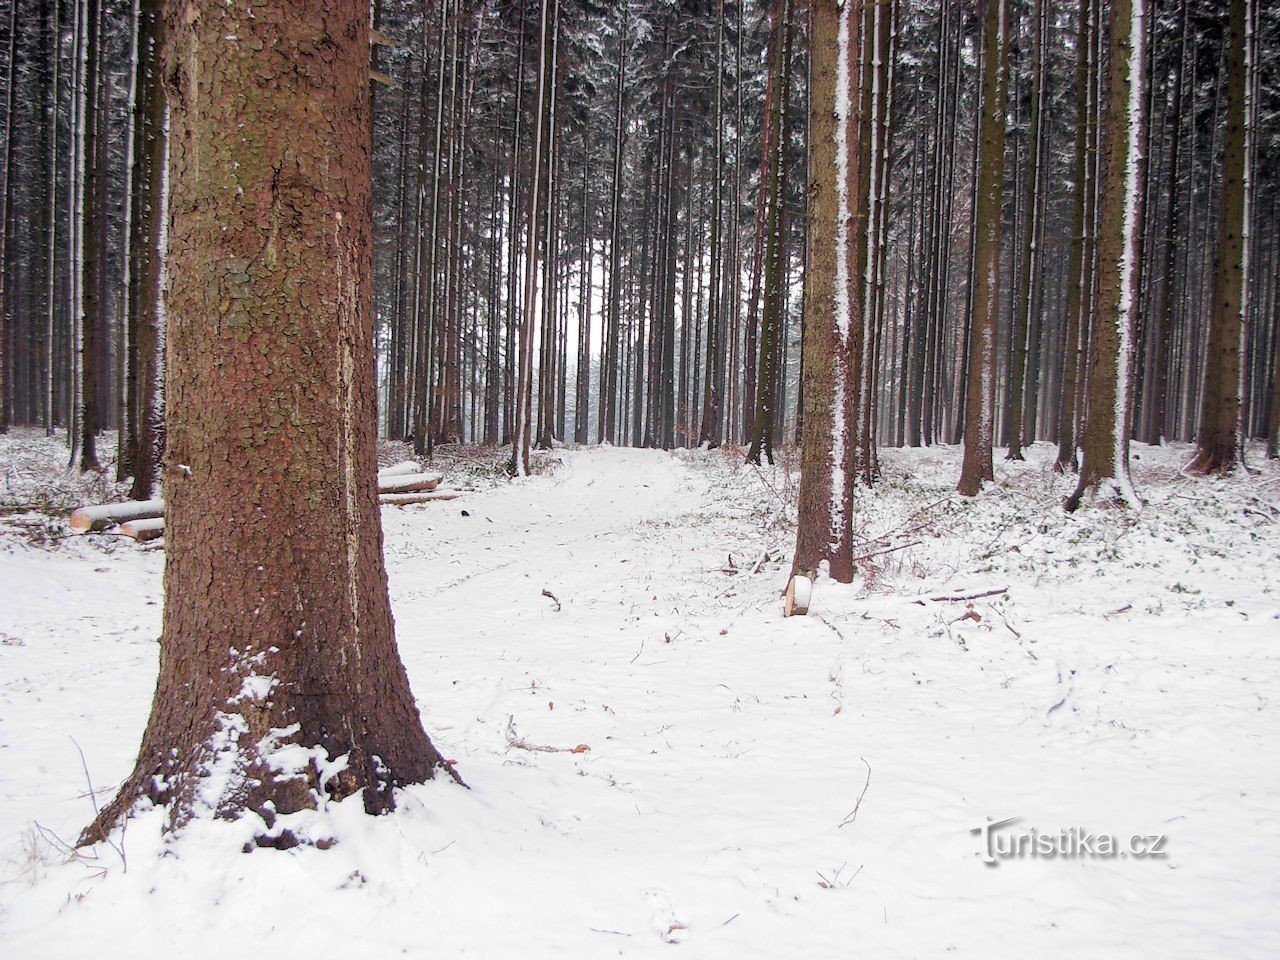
{"x":522,"y":437}
{"x":606,"y":426}
{"x":586,"y":261}
{"x":145,"y":254}
{"x":52,"y":68}
{"x":771,"y":319}
{"x":1078,"y":283}
{"x":92,"y":329}
{"x":280,"y":683}
{"x":709,"y":432}
{"x":835,"y":316}
{"x":1107,"y":416}
{"x":1028,"y":282}
{"x":980,"y":395}
{"x":6,"y":186}
{"x":1218,"y":437}
{"x":548,"y":354}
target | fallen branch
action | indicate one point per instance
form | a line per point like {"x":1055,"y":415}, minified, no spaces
{"x":968,"y":596}
{"x":876,"y":553}
{"x":553,"y":598}
{"x":853,"y":814}
{"x":404,"y":499}
{"x":520,"y":743}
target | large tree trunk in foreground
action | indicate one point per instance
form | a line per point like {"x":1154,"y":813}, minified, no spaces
{"x":280,"y":683}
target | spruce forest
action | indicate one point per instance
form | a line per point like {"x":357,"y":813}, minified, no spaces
{"x":623,"y":187}
{"x":557,"y":478}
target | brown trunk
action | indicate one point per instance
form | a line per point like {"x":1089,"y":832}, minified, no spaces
{"x":1218,"y":437}
{"x":277,"y":639}
{"x":827,"y":447}
{"x":1107,"y":415}
{"x":980,"y":396}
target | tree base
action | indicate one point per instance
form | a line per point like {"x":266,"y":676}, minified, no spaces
{"x":1217,"y":459}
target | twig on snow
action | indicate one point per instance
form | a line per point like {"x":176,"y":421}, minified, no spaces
{"x":967,"y":596}
{"x":853,"y":814}
{"x":514,"y":740}
{"x":93,"y":799}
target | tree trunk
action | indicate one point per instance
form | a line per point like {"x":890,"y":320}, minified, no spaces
{"x":1106,"y":434}
{"x":1078,"y":294}
{"x":981,"y":385}
{"x":146,"y":255}
{"x":278,"y":654}
{"x":824,"y":531}
{"x":1218,"y":437}
{"x":91,"y":320}
{"x":772,"y":321}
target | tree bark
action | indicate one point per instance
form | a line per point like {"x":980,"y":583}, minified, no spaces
{"x":824,"y":527}
{"x":1218,"y":437}
{"x":1107,"y":421}
{"x":280,"y":683}
{"x":981,"y":386}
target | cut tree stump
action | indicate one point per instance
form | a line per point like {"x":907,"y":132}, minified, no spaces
{"x":109,"y":514}
{"x":149,"y":528}
{"x":799,"y":590}
{"x":404,"y":499}
{"x":409,"y":482}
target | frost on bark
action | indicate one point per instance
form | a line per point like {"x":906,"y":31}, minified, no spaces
{"x":828,"y":449}
{"x":980,"y":399}
{"x":1106,"y":435}
{"x":1218,"y":438}
{"x":280,"y":683}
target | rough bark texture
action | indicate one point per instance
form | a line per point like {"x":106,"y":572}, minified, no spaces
{"x":827,"y":449}
{"x":1077,"y":297}
{"x":1218,"y":438}
{"x":146,"y":255}
{"x":1107,"y":416}
{"x":279,"y":681}
{"x":980,"y":398}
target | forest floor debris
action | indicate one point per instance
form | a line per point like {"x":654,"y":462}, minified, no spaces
{"x":1122,"y":682}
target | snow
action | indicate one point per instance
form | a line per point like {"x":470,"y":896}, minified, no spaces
{"x":754,"y":786}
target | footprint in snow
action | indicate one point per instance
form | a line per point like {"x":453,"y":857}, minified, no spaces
{"x":669,"y":927}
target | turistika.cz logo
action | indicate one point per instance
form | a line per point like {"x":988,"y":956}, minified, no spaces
{"x":1070,"y":843}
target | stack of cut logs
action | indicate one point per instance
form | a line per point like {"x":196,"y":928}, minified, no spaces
{"x":401,"y":484}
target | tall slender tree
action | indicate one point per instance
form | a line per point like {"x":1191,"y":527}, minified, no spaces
{"x":824,"y":529}
{"x":980,"y":394}
{"x":1218,"y":446}
{"x":1107,"y":418}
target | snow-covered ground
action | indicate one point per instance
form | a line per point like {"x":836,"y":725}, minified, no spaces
{"x":754,"y":786}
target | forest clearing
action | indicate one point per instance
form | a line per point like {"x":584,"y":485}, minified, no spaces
{"x":656,"y":755}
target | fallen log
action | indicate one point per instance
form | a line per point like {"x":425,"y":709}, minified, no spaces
{"x":409,"y":482}
{"x":109,"y":514}
{"x":400,"y":469}
{"x":404,"y":499}
{"x":149,"y":528}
